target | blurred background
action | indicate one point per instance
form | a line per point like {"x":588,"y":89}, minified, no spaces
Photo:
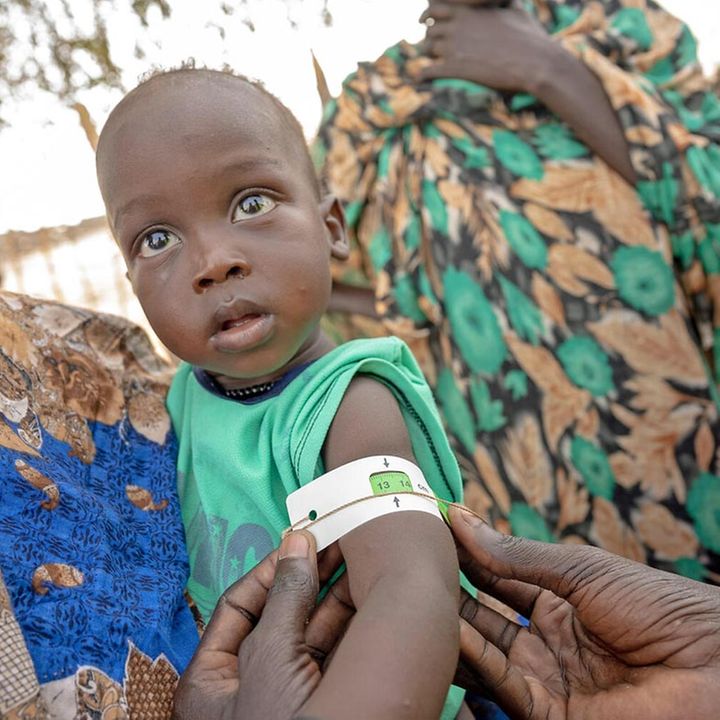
{"x":65,"y":63}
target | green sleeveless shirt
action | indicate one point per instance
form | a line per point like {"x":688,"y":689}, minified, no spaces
{"x":237,"y":461}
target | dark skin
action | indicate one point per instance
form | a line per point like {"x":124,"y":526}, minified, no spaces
{"x":227,"y":251}
{"x":383,"y":662}
{"x":507,"y":49}
{"x":608,"y":638}
{"x":228,"y":245}
{"x":243,"y":671}
{"x":498,"y":44}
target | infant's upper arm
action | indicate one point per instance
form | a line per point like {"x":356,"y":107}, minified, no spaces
{"x":370,"y":422}
{"x":403,"y":574}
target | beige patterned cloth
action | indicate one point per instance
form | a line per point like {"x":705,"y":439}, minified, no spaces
{"x":93,"y":618}
{"x":560,"y":314}
{"x":19,"y":686}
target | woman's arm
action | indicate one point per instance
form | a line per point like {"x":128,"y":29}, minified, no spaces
{"x":352,"y":300}
{"x":573,"y":92}
{"x":505,"y":48}
{"x":398,"y":657}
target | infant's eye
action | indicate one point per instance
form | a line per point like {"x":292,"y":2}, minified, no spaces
{"x":252,"y":206}
{"x":157,"y":241}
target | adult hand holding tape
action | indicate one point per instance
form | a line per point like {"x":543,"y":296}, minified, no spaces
{"x":252,"y":661}
{"x":608,"y":638}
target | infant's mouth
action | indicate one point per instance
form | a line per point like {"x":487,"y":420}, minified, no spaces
{"x":239,"y":331}
{"x":239,"y":321}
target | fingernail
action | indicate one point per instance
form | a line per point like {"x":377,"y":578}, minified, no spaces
{"x":467,"y":517}
{"x":294,"y":545}
{"x":471,"y":519}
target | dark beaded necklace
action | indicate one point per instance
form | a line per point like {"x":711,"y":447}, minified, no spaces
{"x":247,"y":393}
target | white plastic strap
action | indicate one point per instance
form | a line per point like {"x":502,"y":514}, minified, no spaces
{"x":347,"y":497}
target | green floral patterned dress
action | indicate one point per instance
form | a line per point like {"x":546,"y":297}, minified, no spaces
{"x":565,"y":320}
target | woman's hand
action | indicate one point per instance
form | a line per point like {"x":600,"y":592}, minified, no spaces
{"x":494,"y":44}
{"x":608,"y":638}
{"x":249,"y":668}
{"x":479,"y":3}
{"x":507,"y":49}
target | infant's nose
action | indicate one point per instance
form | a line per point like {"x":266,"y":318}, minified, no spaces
{"x":219,"y":273}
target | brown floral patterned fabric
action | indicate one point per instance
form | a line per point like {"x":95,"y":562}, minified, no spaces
{"x":563,"y":318}
{"x":93,"y":620}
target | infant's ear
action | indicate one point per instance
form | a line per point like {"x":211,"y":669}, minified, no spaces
{"x":334,"y":218}
{"x":129,"y":278}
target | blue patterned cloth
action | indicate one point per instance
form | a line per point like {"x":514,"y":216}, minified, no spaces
{"x":92,"y":548}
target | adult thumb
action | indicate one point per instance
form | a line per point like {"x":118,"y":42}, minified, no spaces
{"x":292,"y":596}
{"x":563,"y":569}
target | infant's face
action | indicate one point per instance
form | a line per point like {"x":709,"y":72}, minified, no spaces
{"x":226,"y":243}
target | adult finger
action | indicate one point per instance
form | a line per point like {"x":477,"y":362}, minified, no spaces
{"x":295,"y":587}
{"x":441,"y":69}
{"x":438,"y":49}
{"x":563,"y":569}
{"x":435,"y":12}
{"x":329,"y":621}
{"x":329,"y":560}
{"x":498,"y":629}
{"x":493,"y":672}
{"x":239,"y":608}
{"x":479,"y":3}
{"x":438,"y":31}
{"x":443,"y":9}
{"x":517,"y":595}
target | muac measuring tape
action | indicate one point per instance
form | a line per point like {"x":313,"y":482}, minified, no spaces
{"x":349,"y":496}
